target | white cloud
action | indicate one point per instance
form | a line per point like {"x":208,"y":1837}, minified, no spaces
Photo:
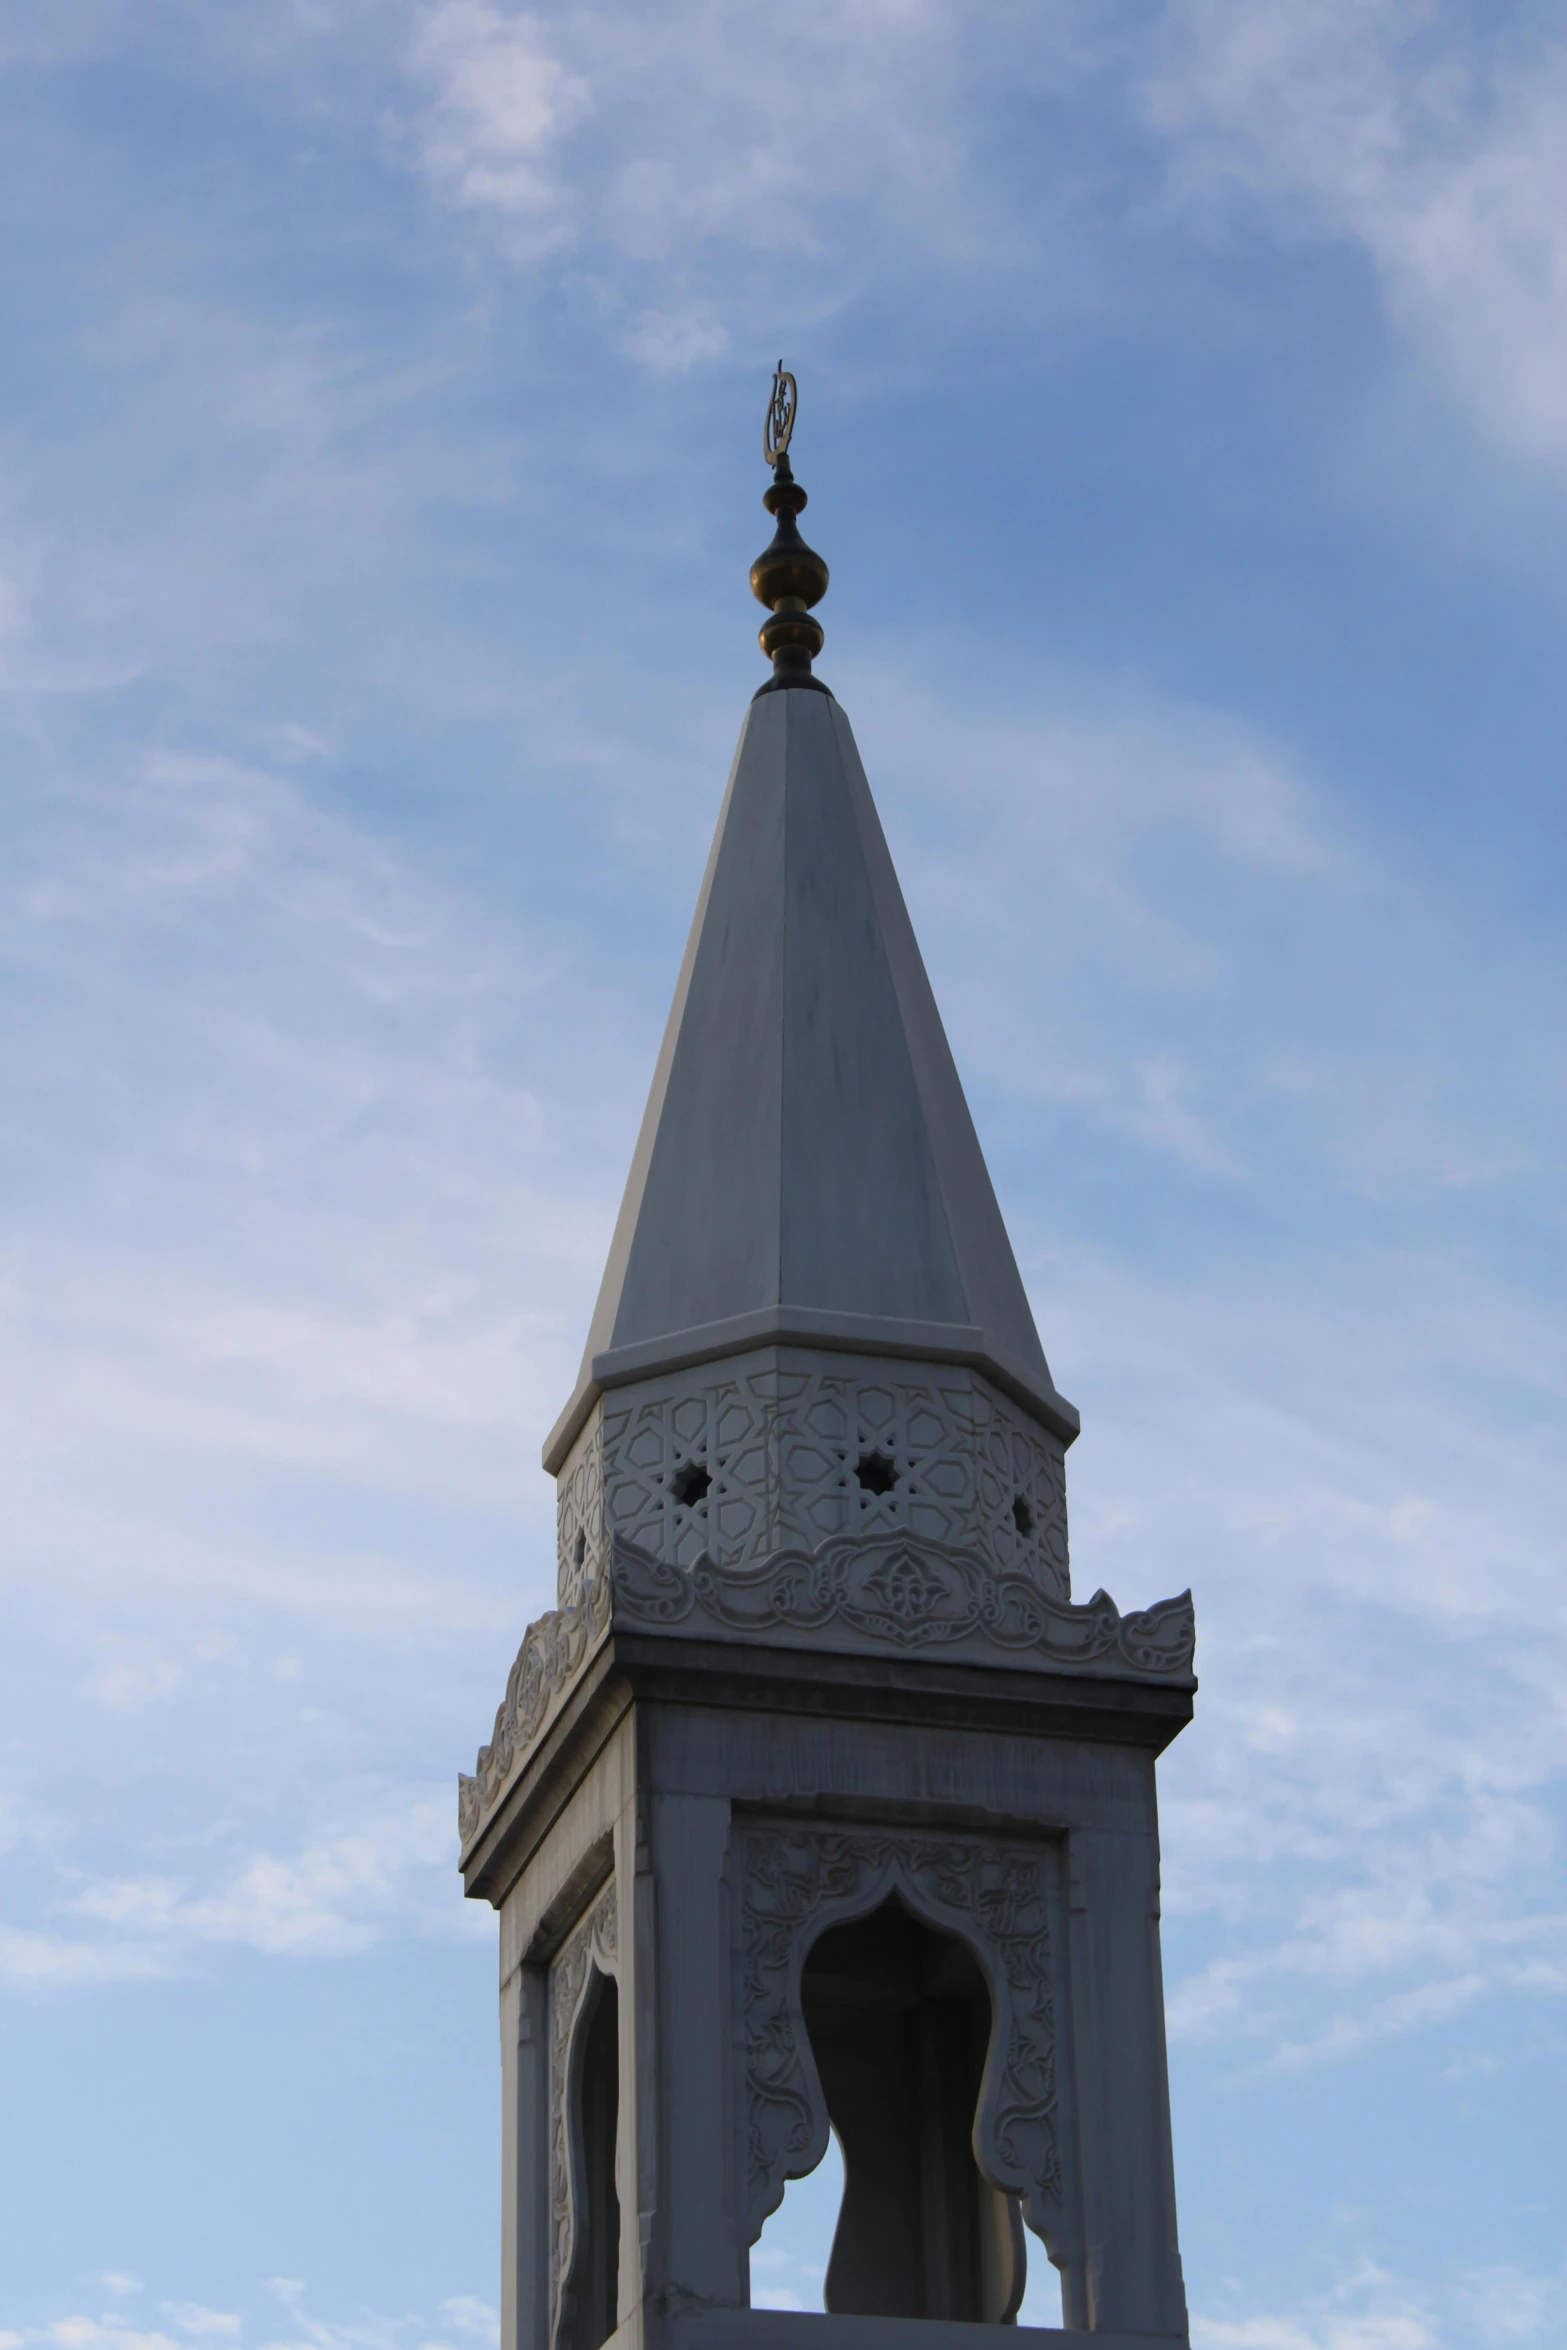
{"x":477,"y":2320}
{"x":348,"y":1038}
{"x":501,"y":103}
{"x":109,"y":2333}
{"x":1504,"y":2304}
{"x":467,"y":2318}
{"x":135,"y":1673}
{"x":366,"y":2331}
{"x":1369,"y":2309}
{"x":1111,"y":854}
{"x":38,"y":1961}
{"x":672,"y":341}
{"x":1426,"y":135}
{"x":656,"y":148}
{"x":1392,"y":2332}
{"x":334,"y":1897}
{"x":1355,"y":1854}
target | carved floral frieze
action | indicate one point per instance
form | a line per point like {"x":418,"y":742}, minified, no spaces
{"x":891,"y":1591}
{"x":796,"y":1880}
{"x":888,"y":1594}
{"x":552,"y":1652}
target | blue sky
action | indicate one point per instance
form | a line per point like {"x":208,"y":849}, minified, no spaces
{"x":1182,"y":411}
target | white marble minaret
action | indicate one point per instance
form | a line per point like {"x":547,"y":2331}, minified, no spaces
{"x":817,"y":1801}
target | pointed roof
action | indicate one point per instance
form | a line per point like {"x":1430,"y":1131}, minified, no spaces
{"x":807,"y":1168}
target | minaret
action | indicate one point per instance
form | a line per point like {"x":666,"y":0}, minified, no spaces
{"x":818,"y":1801}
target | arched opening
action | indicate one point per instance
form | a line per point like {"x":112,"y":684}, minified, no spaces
{"x":593,"y":2292}
{"x":789,"y":2258}
{"x":899,"y":2019}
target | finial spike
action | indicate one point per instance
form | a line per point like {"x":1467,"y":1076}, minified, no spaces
{"x":789,"y":577}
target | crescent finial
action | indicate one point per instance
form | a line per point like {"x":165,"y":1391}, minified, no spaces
{"x":781,"y":405}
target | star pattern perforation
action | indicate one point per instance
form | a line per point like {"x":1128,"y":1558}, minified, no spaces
{"x":763,"y":1452}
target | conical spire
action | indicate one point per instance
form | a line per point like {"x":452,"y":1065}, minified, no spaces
{"x":807,"y":1168}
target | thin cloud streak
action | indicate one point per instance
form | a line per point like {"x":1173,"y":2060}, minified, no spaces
{"x":1430,"y":136}
{"x":1429,"y":139}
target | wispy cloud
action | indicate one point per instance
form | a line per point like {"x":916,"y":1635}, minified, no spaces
{"x":1351,"y":1854}
{"x":656,"y":145}
{"x":672,"y":340}
{"x":108,"y":2333}
{"x":337,"y":1896}
{"x":1429,"y":136}
{"x":1369,"y":2308}
{"x":252,"y":1081}
{"x":501,"y":103}
{"x":1169,"y":857}
{"x":1427,"y":139}
{"x":461,"y":2320}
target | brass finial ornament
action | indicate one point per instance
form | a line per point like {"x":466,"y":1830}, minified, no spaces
{"x":789,"y":577}
{"x":781,"y":405}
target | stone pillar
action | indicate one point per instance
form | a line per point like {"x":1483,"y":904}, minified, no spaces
{"x":524,"y":2159}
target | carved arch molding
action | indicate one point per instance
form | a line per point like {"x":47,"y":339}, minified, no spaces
{"x":1001,"y":1898}
{"x":590,"y":1948}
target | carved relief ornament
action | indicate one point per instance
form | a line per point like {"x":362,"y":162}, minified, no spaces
{"x":553,"y":1651}
{"x":890,"y":1594}
{"x":904,"y":1593}
{"x":775,"y":1438}
{"x":796,"y":1880}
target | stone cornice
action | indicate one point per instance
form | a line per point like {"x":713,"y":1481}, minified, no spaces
{"x":882,"y":1595}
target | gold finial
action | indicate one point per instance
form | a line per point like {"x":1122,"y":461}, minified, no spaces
{"x":789,"y":577}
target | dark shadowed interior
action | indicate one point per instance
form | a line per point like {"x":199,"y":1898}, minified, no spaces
{"x":592,"y":2289}
{"x":899,"y":2018}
